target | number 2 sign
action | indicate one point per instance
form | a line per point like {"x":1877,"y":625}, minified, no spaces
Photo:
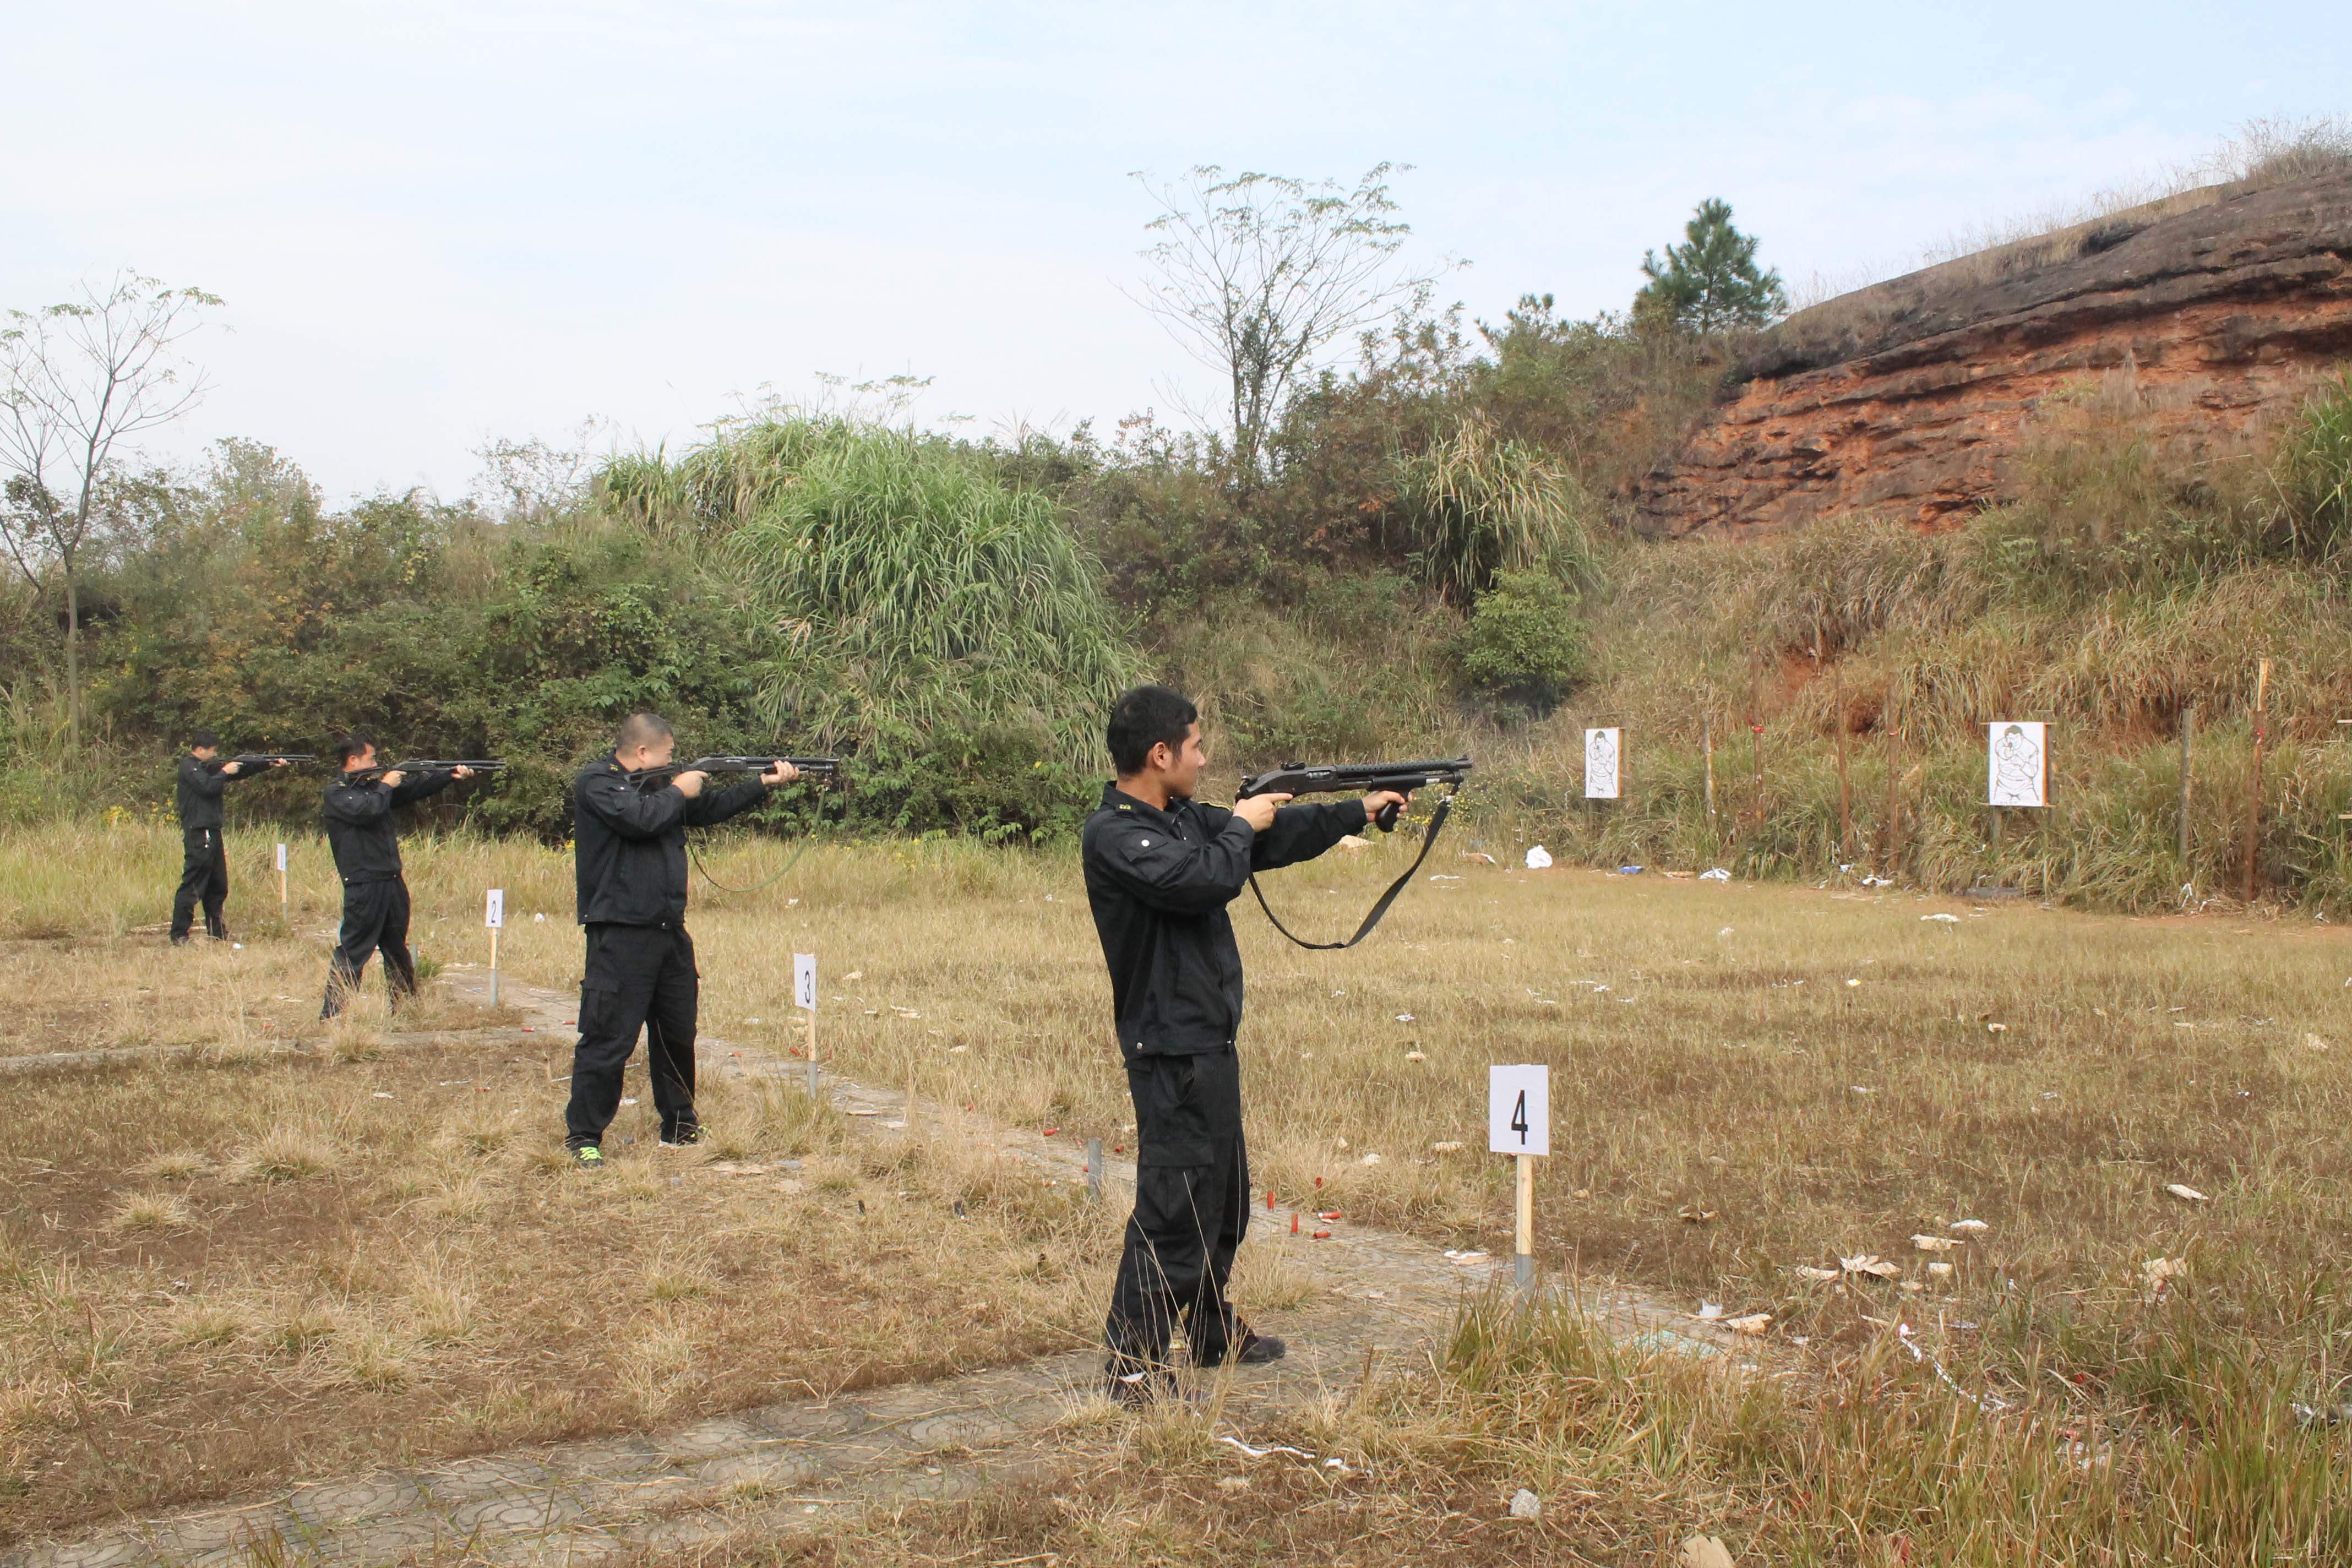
{"x":1519,"y":1110}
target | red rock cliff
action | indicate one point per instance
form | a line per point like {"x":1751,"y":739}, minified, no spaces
{"x":1909,"y":398}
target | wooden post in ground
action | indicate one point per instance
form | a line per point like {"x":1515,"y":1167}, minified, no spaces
{"x":281,"y":885}
{"x":1707,"y":752}
{"x":1890,"y":847}
{"x":1845,"y":796}
{"x":1756,"y":733}
{"x":804,"y":998}
{"x":2187,"y":723}
{"x":1094,"y":1168}
{"x":1523,"y":1268}
{"x":2254,"y":785}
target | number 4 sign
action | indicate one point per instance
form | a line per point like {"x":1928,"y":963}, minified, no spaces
{"x":1519,"y":1110}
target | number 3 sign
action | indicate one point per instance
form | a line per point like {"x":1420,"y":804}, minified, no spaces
{"x":1519,"y":1110}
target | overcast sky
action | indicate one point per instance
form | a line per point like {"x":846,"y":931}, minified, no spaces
{"x":436,"y":223}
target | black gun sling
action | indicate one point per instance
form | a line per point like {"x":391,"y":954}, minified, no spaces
{"x":1428,"y":842}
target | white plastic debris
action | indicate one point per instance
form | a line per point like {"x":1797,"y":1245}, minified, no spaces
{"x":2178,"y":1191}
{"x":1969,"y":1224}
{"x":1714,"y":874}
{"x":1944,"y":918}
{"x":1538,"y":857}
{"x":1524,"y":1504}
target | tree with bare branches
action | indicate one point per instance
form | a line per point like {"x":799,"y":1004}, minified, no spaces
{"x":1255,"y":274}
{"x":78,"y":382}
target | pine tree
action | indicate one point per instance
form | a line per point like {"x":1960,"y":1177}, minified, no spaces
{"x":1709,"y":283}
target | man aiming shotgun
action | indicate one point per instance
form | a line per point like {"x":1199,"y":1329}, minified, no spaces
{"x":630,"y":814}
{"x":203,"y":778}
{"x":358,"y":814}
{"x":1159,"y":871}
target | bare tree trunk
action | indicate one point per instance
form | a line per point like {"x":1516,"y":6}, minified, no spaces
{"x":73,"y":658}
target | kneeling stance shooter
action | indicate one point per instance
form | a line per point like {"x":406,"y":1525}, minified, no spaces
{"x":629,"y":836}
{"x":358,"y":813}
{"x":1159,"y":871}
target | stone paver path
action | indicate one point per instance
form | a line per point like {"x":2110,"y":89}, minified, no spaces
{"x":796,"y":1464}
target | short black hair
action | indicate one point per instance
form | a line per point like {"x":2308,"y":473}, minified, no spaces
{"x":641,"y":730}
{"x":353,"y":745}
{"x":204,"y":740}
{"x":1144,"y":717}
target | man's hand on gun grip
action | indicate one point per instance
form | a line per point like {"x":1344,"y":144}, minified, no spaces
{"x":689,"y":782}
{"x":1380,"y":800}
{"x":393,"y":780}
{"x":229,"y":770}
{"x":1258,"y":810}
{"x":780,"y":775}
{"x":461,"y":772}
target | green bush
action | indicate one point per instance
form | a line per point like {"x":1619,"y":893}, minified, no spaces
{"x":1525,"y":639}
{"x":2313,"y":469}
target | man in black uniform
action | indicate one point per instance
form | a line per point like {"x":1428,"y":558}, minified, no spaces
{"x":203,"y":857}
{"x":630,"y":841}
{"x":358,"y":813}
{"x":1159,"y":870}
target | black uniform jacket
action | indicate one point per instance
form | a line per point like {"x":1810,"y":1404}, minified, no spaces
{"x":630,"y":844}
{"x":359,"y":823}
{"x":1159,"y":882}
{"x":200,"y":787}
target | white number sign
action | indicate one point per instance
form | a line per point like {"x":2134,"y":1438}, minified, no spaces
{"x":281,"y":856}
{"x":805,"y":982}
{"x":1519,"y":1110}
{"x":2017,"y":764}
{"x":1600,"y":753}
{"x":494,"y":913}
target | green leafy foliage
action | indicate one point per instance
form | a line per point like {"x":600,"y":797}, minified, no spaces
{"x":1525,"y":639}
{"x":915,"y":609}
{"x":1710,"y":283}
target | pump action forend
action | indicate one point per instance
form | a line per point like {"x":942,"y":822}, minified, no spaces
{"x":1358,"y":778}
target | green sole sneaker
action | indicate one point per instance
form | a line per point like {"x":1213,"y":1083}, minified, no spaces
{"x":590,"y":1158}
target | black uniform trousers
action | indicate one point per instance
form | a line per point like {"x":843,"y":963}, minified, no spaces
{"x":204,"y":876}
{"x":375,"y":920}
{"x":1192,"y":1209}
{"x":637,"y":978}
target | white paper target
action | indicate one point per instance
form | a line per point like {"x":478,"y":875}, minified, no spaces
{"x":1600,"y":757}
{"x":2017,"y":763}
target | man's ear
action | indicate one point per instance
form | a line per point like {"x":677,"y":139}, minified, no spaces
{"x":1160,"y":759}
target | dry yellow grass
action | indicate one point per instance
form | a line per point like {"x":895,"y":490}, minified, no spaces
{"x":219,"y":1276}
{"x":1748,"y":1082}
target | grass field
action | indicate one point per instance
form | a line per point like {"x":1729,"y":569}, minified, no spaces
{"x":1748,"y":1083}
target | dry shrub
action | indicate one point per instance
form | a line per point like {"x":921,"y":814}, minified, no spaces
{"x":285,"y":1153}
{"x":157,"y":1212}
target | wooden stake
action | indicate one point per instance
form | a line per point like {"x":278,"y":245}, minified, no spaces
{"x":1524,"y":1268}
{"x":812,"y":1051}
{"x":1706,"y":749}
{"x":1756,"y":733}
{"x":2254,"y":785}
{"x":2187,"y":723}
{"x":1845,"y":797}
{"x":1891,"y":835}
